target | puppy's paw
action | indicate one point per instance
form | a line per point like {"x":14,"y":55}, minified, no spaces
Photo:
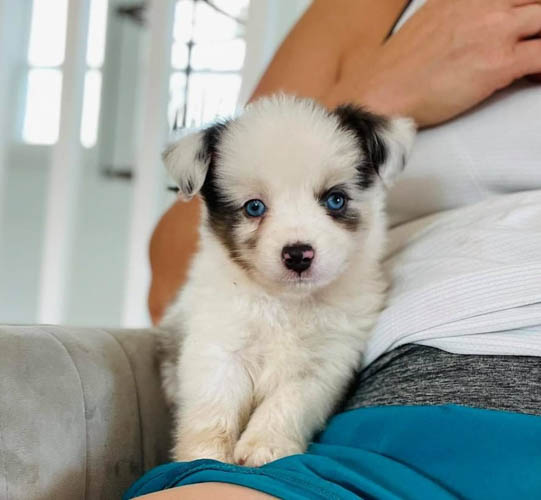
{"x":219,"y":448}
{"x":191,"y":455}
{"x":256,"y":452}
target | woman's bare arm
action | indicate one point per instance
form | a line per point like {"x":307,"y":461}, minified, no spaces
{"x":308,"y":61}
{"x":450,"y":56}
{"x":447,"y":58}
{"x":173,"y":243}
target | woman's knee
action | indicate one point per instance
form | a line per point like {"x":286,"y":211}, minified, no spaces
{"x":208,"y":491}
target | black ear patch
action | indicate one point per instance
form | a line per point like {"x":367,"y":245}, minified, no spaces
{"x":223,"y":214}
{"x":209,"y":146}
{"x":188,"y":159}
{"x":209,"y":154}
{"x":367,"y":128}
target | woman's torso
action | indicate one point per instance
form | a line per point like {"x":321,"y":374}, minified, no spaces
{"x":465,"y":247}
{"x":493,"y":149}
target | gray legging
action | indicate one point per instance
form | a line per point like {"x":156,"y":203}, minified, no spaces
{"x":419,"y":375}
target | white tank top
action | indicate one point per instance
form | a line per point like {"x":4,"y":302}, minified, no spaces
{"x":493,"y":149}
{"x":468,"y":279}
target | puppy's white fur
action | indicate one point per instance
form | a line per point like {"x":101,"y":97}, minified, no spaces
{"x":265,"y":354}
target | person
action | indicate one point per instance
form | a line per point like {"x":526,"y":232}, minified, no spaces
{"x":435,"y":62}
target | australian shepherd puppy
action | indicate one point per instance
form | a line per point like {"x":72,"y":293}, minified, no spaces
{"x":265,"y":336}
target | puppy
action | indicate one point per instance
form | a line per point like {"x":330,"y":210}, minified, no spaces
{"x":267,"y":332}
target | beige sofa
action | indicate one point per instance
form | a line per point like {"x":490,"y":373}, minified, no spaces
{"x":81,"y":412}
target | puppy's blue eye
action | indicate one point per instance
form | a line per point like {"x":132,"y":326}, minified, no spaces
{"x":335,"y":201}
{"x":255,"y":208}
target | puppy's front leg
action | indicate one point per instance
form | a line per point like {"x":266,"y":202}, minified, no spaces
{"x":215,"y":401}
{"x":284,"y":422}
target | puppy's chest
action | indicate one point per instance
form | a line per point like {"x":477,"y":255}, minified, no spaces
{"x":282,"y":343}
{"x":275,"y":339}
{"x":277,"y":347}
{"x":274,"y":331}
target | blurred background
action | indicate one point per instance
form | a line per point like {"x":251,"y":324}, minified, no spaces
{"x":90,"y":93}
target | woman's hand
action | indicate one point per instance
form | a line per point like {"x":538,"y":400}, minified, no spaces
{"x":448,"y":57}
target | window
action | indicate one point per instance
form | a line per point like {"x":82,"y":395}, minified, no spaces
{"x":95,"y":54}
{"x":46,"y":52}
{"x":206,"y":59}
{"x":45,"y":58}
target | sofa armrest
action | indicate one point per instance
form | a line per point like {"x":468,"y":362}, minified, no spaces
{"x":81,"y":412}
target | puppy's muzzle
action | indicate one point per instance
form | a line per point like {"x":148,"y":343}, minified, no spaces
{"x":297,"y":257}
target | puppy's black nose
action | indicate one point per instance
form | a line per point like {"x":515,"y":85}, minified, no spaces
{"x":297,"y":257}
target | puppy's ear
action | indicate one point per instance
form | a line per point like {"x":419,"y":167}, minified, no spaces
{"x":385,"y":142}
{"x":399,"y":136}
{"x":189,"y":159}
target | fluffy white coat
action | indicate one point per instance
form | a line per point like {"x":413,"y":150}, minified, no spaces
{"x":262,"y":355}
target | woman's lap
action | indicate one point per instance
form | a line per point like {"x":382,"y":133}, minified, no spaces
{"x":433,"y":450}
{"x":437,"y":452}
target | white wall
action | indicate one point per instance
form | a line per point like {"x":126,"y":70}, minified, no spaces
{"x":22,"y":195}
{"x":22,"y":237}
{"x":98,"y":264}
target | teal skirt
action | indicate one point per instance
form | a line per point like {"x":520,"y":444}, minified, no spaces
{"x":390,"y":452}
